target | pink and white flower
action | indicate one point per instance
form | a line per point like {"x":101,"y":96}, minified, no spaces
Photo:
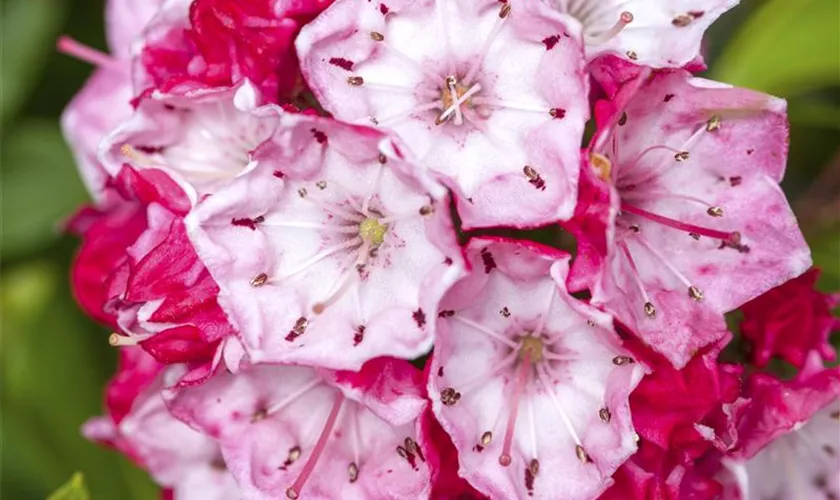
{"x":328,"y":251}
{"x":657,"y":33}
{"x":105,"y":100}
{"x":789,"y":438}
{"x":139,"y":425}
{"x":201,"y":141}
{"x":297,"y":432}
{"x":490,"y":95}
{"x":531,"y":384}
{"x":696,"y":222}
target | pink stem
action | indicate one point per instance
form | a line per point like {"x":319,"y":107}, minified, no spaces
{"x":312,"y":461}
{"x":73,"y":48}
{"x":518,"y":389}
{"x":682,"y":226}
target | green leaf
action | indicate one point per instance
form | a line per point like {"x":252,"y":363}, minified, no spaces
{"x":53,"y":367}
{"x":41,"y":186}
{"x":72,"y":490}
{"x":29,"y":28}
{"x":786,"y":47}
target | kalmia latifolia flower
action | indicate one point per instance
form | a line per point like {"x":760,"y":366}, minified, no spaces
{"x":183,"y":461}
{"x":297,"y":432}
{"x":325,"y":251}
{"x":301,"y":236}
{"x":192,"y":45}
{"x":789,"y":438}
{"x":790,"y":321}
{"x":657,"y":33}
{"x":531,"y":384}
{"x":491,"y":95}
{"x":696,"y":223}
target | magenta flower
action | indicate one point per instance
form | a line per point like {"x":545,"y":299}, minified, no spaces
{"x":531,"y":384}
{"x":491,"y":95}
{"x":193,"y":45}
{"x":696,"y":223}
{"x":789,"y":442}
{"x":327,"y":251}
{"x":296,"y":432}
{"x":790,"y":321}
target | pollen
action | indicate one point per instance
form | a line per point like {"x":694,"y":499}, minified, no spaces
{"x":533,"y":347}
{"x":446,"y":98}
{"x":602,"y":166}
{"x":372,"y":231}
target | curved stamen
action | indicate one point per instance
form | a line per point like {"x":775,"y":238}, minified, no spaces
{"x":404,"y":115}
{"x":518,"y":389}
{"x":490,"y":333}
{"x":453,"y":94}
{"x":727,"y":236}
{"x":624,"y":19}
{"x":544,"y":380}
{"x":349,"y":244}
{"x":294,"y":490}
{"x":348,"y":277}
{"x":484,"y":377}
{"x":73,"y":48}
{"x":650,"y":309}
{"x":292,"y":397}
{"x":504,"y":12}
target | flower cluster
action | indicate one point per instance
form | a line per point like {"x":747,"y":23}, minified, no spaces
{"x":318,"y":232}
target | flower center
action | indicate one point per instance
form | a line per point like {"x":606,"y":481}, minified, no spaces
{"x":531,"y":348}
{"x":372,"y":231}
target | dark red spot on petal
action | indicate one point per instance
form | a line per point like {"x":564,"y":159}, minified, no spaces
{"x":478,"y":448}
{"x":359,"y":335}
{"x":550,"y":41}
{"x":529,"y":481}
{"x":446,"y":313}
{"x":696,"y":14}
{"x":319,"y":136}
{"x":383,"y":9}
{"x":750,"y":151}
{"x":279,"y":174}
{"x":487,"y":260}
{"x":342,"y":63}
{"x":440,"y":371}
{"x":735,"y":181}
{"x":419,"y":317}
{"x":247,"y":222}
{"x":668,"y":97}
{"x":149,"y":150}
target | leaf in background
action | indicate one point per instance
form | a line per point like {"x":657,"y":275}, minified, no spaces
{"x":786,"y":47}
{"x":74,"y":489}
{"x":41,"y":187}
{"x":53,"y":366}
{"x":29,"y":28}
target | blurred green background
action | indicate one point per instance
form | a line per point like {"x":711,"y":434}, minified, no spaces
{"x":54,"y":361}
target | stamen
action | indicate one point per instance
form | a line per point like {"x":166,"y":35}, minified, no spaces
{"x":294,"y":490}
{"x":131,"y":153}
{"x":353,"y":472}
{"x":544,"y":380}
{"x":311,"y":225}
{"x":404,"y":115}
{"x":484,"y":377}
{"x":349,"y":244}
{"x":387,"y":87}
{"x":543,"y":318}
{"x":518,"y":389}
{"x":729,"y":237}
{"x":456,"y":106}
{"x":347,"y":278}
{"x":292,"y":397}
{"x":376,"y":182}
{"x":451,"y":83}
{"x":650,"y":310}
{"x":680,"y":276}
{"x":490,"y":333}
{"x":117,"y":340}
{"x":486,"y":438}
{"x":623,"y":20}
{"x":494,"y":32}
{"x":73,"y":48}
{"x":498,"y":103}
